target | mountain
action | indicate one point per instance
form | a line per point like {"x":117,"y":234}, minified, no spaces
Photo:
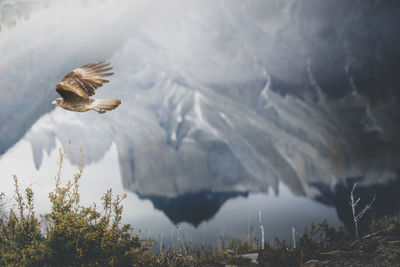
{"x":233,"y":96}
{"x":193,"y":208}
{"x":40,"y":43}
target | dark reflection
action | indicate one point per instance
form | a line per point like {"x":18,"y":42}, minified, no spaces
{"x":193,"y":208}
{"x":222,"y":96}
{"x":387,"y":200}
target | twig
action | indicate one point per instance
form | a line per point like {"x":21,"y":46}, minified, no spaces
{"x":353,"y":204}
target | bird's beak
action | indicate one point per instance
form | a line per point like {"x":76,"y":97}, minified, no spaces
{"x":54,"y":102}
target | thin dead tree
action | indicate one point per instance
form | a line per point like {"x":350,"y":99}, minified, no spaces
{"x":353,"y":204}
{"x":161,"y":243}
{"x":262,"y":229}
{"x":294,"y":237}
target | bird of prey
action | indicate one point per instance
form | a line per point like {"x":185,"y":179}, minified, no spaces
{"x":77,"y":87}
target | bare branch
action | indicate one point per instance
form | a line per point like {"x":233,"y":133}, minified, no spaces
{"x":357,"y":217}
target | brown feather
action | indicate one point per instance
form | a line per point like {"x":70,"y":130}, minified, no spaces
{"x":84,"y":81}
{"x":106,"y":104}
{"x":105,"y":74}
{"x":100,"y":66}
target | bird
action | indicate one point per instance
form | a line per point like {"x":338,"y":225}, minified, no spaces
{"x":77,"y":87}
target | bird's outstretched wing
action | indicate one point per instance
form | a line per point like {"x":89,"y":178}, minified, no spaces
{"x":84,"y":81}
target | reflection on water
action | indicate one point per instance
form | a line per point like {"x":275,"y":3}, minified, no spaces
{"x":227,"y":108}
{"x":236,"y":217}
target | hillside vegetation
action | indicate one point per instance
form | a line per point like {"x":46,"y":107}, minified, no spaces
{"x":75,"y":235}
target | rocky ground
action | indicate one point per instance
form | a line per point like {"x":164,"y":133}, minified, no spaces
{"x":376,"y":249}
{"x":379,"y":250}
{"x":322,"y":245}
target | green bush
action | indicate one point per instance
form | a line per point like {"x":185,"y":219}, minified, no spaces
{"x":74,"y":234}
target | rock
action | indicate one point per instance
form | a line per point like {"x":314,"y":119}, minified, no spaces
{"x":312,"y":263}
{"x":252,"y":256}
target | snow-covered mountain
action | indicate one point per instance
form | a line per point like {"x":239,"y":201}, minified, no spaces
{"x":237,"y":96}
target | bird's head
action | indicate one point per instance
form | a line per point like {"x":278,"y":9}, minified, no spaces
{"x":57,"y":101}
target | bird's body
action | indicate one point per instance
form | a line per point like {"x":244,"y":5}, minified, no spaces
{"x":77,"y":87}
{"x":82,"y":105}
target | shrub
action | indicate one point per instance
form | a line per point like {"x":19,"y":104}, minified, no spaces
{"x":75,"y":234}
{"x":387,"y":224}
{"x":21,"y":241}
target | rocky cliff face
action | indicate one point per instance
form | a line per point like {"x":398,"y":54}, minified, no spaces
{"x":233,"y":96}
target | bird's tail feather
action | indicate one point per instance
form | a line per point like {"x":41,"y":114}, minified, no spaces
{"x":102,"y":105}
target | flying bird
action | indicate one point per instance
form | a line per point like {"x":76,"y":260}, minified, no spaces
{"x":77,"y":87}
